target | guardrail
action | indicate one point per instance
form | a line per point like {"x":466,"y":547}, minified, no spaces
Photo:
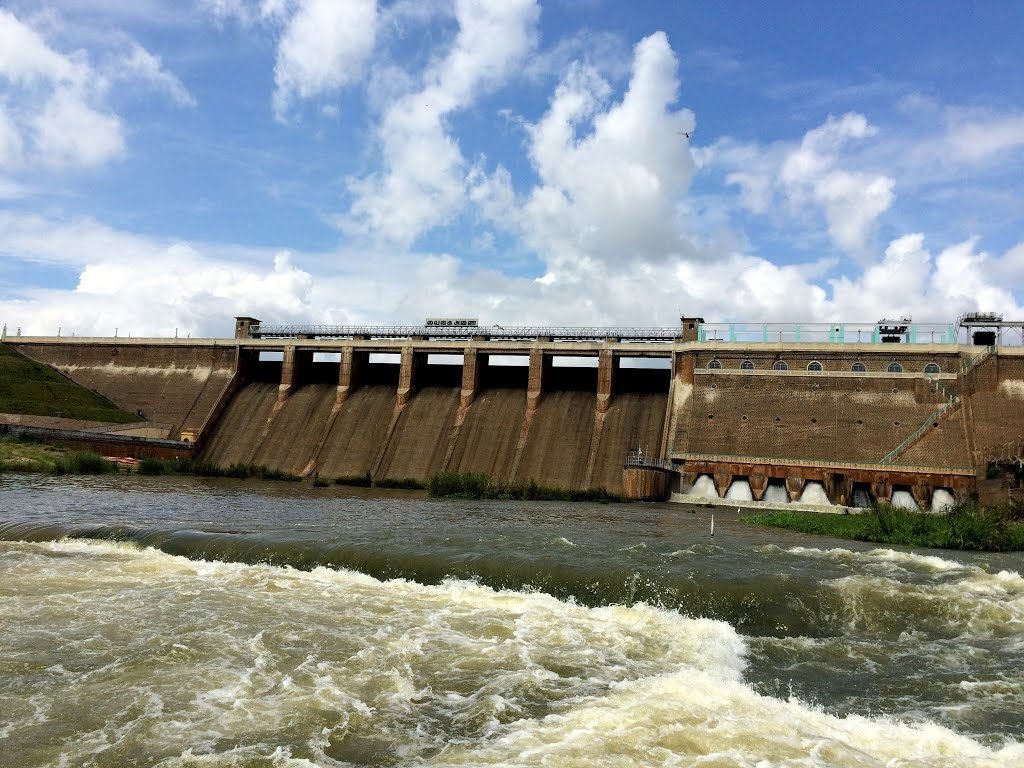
{"x":19,"y":430}
{"x":516,"y":333}
{"x":830,"y":333}
{"x":638,"y":458}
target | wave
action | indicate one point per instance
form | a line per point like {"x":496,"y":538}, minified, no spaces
{"x":167,"y":660}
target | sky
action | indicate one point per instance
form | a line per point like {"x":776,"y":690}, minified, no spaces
{"x":166,"y":165}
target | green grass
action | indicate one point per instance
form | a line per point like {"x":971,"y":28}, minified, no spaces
{"x":966,"y":526}
{"x":470,"y":485}
{"x":199,"y":468}
{"x":28,"y":455}
{"x":35,"y":389}
{"x":83,"y":463}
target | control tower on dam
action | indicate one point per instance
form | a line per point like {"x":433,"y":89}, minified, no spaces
{"x":847,"y":413}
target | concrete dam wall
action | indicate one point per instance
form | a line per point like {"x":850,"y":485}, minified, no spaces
{"x":846,"y":415}
{"x":314,"y":427}
{"x":176,"y":386}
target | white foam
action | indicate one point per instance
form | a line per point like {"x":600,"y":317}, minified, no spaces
{"x":942,"y":500}
{"x":903,"y":500}
{"x":776,"y":494}
{"x":692,"y":718}
{"x":245,"y":660}
{"x":703,"y":488}
{"x":739,"y":490}
{"x":814,"y":493}
{"x":908,"y":560}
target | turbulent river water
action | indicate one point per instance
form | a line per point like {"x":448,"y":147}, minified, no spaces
{"x":208,"y":623}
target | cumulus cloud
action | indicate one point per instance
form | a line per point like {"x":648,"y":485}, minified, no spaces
{"x":808,"y":177}
{"x":323,"y":48}
{"x":52,"y":104}
{"x":145,"y":286}
{"x":69,"y":133}
{"x":424,"y":177}
{"x":909,"y":281}
{"x":611,"y":174}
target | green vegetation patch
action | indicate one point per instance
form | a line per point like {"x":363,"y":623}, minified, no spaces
{"x":27,"y":454}
{"x":471,"y":485}
{"x":965,"y":526}
{"x":35,"y":389}
{"x":201,"y":468}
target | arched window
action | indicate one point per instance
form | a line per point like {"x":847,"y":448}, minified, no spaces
{"x":895,"y":368}
{"x":746,"y":365}
{"x":780,"y":365}
{"x":931,"y":368}
{"x":814,"y":365}
{"x":715,"y":363}
{"x":859,"y":367}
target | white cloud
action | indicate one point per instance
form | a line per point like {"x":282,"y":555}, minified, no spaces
{"x":852,"y":203}
{"x":52,"y":104}
{"x":69,"y":133}
{"x":909,"y":282}
{"x":142,"y":66}
{"x":144,"y":286}
{"x":26,"y":59}
{"x":322,"y":49}
{"x":808,"y":177}
{"x":611,"y":175}
{"x":975,"y":141}
{"x":11,"y":143}
{"x":423,"y":182}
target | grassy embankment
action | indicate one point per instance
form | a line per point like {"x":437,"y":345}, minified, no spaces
{"x":31,"y":388}
{"x":965,"y":526}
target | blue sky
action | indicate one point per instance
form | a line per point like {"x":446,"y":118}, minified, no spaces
{"x":167,"y":165}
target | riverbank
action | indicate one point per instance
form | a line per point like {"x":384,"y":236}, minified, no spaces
{"x":966,"y":526}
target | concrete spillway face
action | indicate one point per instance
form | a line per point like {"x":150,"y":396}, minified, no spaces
{"x":903,"y":500}
{"x":739,"y":490}
{"x":942,"y":500}
{"x":776,"y":493}
{"x":704,"y":488}
{"x":814,"y":494}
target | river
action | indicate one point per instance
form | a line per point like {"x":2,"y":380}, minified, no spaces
{"x":190,"y":622}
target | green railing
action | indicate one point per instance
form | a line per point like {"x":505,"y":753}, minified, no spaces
{"x":951,"y":400}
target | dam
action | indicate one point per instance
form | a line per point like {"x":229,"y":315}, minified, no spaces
{"x":840,"y":414}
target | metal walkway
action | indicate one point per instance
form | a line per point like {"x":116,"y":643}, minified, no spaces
{"x":488,"y":332}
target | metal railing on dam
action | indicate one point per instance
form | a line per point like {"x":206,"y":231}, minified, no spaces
{"x":757,"y":333}
{"x":490,"y":332}
{"x":831,"y":333}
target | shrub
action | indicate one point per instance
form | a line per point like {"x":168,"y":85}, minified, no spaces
{"x":149,"y":466}
{"x":83,"y":463}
